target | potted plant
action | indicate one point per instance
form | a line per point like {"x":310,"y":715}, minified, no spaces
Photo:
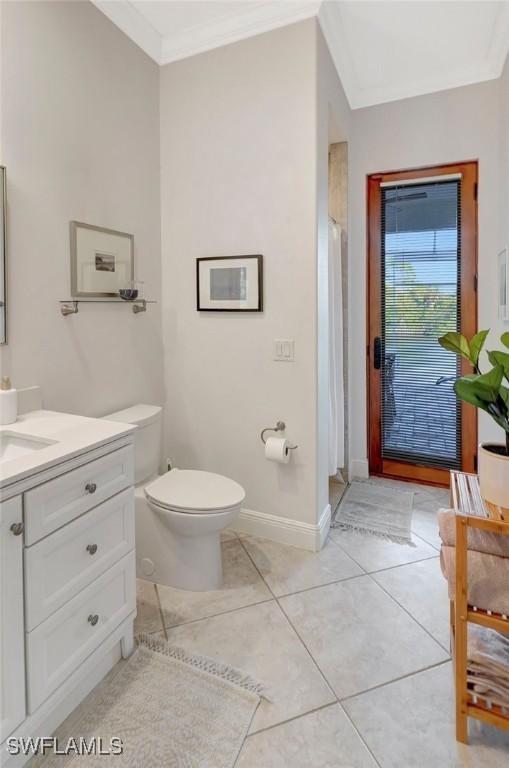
{"x":490,"y":392}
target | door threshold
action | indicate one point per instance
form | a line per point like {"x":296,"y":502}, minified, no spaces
{"x":411,"y":473}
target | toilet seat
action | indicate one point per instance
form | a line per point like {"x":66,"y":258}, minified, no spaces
{"x":194,"y":492}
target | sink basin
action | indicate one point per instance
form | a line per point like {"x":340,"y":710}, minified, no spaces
{"x":13,"y":445}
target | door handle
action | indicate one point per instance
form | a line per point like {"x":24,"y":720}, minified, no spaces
{"x":377,"y":353}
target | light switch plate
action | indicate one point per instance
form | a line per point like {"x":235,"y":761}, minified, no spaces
{"x":284,"y":350}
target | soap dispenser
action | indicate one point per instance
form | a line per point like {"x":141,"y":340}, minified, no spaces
{"x":8,"y":402}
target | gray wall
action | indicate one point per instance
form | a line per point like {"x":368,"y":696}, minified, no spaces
{"x":238,"y":138}
{"x":80,"y":139}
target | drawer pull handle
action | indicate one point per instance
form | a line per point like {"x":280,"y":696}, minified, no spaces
{"x":17,"y":528}
{"x":93,"y":619}
{"x":92,"y":548}
{"x":91,"y":487}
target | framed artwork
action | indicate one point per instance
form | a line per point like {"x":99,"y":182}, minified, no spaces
{"x":229,"y":284}
{"x":503,"y":284}
{"x":102,"y":260}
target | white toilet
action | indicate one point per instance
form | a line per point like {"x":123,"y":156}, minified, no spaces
{"x":180,"y":514}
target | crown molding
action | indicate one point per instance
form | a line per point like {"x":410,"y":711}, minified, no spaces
{"x":232,"y":28}
{"x":203,"y":37}
{"x":269,"y":16}
{"x":127,"y":18}
{"x":331,"y":23}
{"x":371,"y":97}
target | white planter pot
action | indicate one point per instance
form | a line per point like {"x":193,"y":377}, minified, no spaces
{"x":494,"y":475}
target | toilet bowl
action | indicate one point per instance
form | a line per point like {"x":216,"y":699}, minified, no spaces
{"x":180,"y":514}
{"x":188,"y":510}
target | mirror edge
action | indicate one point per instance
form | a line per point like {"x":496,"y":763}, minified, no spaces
{"x":3,"y":244}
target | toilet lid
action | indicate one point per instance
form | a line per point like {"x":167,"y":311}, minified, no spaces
{"x":191,"y":490}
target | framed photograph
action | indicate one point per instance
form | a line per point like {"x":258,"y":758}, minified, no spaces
{"x":102,"y":260}
{"x":229,"y":284}
{"x":503,"y":284}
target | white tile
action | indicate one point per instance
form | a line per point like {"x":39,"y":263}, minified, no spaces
{"x":228,"y":534}
{"x":242,"y":586}
{"x":374,"y":553}
{"x":336,"y":491}
{"x":358,"y":635}
{"x":425,"y":525}
{"x":288,"y":569}
{"x":422,"y":590}
{"x":323,"y":739}
{"x":260,"y":641}
{"x":427,"y":502}
{"x":410,"y":724}
{"x":427,"y":494}
{"x":148,"y":618}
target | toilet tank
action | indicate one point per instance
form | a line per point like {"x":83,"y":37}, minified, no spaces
{"x":147,"y":438}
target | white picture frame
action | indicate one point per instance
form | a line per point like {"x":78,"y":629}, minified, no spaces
{"x":102,"y":261}
{"x":503,"y":284}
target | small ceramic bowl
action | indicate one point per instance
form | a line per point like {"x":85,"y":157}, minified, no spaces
{"x":128,"y":294}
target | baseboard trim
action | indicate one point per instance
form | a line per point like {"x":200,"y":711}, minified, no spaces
{"x":324,"y":526}
{"x":360,"y":469}
{"x":286,"y":531}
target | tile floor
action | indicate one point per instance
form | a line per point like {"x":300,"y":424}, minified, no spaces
{"x":352,"y":642}
{"x":336,"y":491}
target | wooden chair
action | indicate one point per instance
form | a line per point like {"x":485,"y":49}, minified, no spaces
{"x":472,"y":512}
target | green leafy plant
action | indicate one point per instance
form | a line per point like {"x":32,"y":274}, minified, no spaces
{"x":484,"y":390}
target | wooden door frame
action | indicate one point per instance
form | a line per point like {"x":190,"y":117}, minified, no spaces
{"x":468,"y":308}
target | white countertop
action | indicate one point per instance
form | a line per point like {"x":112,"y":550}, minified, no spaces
{"x":72,"y":435}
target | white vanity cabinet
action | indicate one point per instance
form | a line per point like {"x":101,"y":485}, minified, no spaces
{"x":67,"y":584}
{"x":12,"y":631}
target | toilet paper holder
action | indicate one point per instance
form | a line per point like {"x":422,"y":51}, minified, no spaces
{"x":280,"y":427}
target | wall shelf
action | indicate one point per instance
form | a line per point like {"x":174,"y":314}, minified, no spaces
{"x":70,"y":306}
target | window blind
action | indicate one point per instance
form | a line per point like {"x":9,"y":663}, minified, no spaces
{"x":421,"y":273}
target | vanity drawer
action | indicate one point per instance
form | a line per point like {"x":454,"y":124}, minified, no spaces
{"x":61,"y":565}
{"x":61,"y":643}
{"x":57,"y":502}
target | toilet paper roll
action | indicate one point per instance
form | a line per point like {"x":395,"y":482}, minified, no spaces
{"x":276,"y":449}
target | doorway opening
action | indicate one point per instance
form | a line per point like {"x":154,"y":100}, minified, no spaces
{"x":422,"y":283}
{"x":338,"y":321}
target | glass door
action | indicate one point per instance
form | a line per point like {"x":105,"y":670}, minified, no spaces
{"x":419,"y":268}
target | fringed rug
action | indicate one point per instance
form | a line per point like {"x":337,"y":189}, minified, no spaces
{"x":376,"y":509}
{"x":169,"y":708}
